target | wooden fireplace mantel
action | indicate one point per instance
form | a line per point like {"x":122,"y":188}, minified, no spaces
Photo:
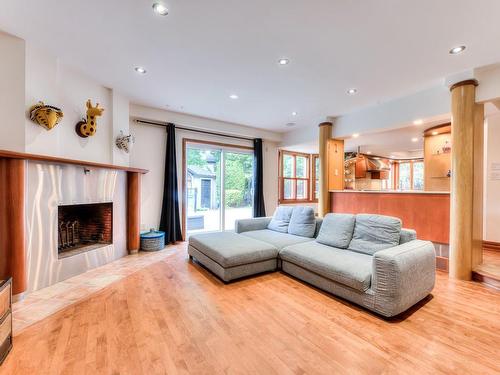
{"x":12,"y":210}
{"x":57,"y":160}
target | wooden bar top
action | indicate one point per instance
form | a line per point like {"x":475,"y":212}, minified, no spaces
{"x":428,"y":214}
{"x":391,"y":191}
{"x":57,"y":160}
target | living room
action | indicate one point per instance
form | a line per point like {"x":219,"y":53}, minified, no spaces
{"x":254,"y":187}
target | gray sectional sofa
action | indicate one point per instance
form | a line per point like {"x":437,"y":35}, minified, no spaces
{"x":367,"y":259}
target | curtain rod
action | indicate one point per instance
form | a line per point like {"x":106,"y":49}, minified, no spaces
{"x":194,"y":130}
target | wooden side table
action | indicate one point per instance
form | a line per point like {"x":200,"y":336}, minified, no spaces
{"x":5,"y":318}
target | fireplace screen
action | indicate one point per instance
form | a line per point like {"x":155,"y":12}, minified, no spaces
{"x":84,"y":227}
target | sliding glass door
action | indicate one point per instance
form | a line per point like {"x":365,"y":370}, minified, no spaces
{"x":218,"y":186}
{"x":238,"y":190}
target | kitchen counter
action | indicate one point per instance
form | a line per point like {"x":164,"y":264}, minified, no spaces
{"x":428,"y":212}
{"x":391,"y":191}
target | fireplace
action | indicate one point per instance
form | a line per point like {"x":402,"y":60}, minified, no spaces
{"x":84,"y":227}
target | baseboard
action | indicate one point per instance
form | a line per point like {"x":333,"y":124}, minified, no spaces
{"x":486,"y":279}
{"x":490,"y":245}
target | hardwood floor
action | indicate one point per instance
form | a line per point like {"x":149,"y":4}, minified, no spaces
{"x":175,"y":317}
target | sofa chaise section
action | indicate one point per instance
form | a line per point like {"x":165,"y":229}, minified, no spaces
{"x":231,"y":256}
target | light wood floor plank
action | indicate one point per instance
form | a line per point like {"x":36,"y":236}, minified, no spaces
{"x":175,"y":317}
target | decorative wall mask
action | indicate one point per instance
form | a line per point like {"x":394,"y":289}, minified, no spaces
{"x":46,"y":115}
{"x":125,"y":142}
{"x":87,"y":128}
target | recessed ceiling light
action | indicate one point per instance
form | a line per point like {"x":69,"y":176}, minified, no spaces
{"x":418,"y":122}
{"x":160,"y":9}
{"x":352,"y":91}
{"x":435,"y":132}
{"x":355,"y":135}
{"x":456,"y":50}
{"x":294,"y":113}
{"x":234,"y":96}
{"x":140,"y":70}
{"x":290,"y":124}
{"x":283,"y":61}
{"x":369,"y":152}
{"x":415,"y":139}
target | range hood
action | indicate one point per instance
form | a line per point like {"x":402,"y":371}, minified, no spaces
{"x":377,"y":165}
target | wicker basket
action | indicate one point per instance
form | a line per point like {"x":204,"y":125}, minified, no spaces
{"x":152,"y":240}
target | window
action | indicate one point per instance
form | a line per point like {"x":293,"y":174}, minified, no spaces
{"x":418,"y":175}
{"x":315,"y":177}
{"x":409,"y":175}
{"x":295,"y":181}
{"x":404,"y":176}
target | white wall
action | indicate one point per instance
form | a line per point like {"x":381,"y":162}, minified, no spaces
{"x":492,"y":186}
{"x":120,"y":123}
{"x":149,"y":153}
{"x":56,"y":84}
{"x":12,"y":93}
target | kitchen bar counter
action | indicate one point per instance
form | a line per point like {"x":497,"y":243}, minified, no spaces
{"x":425,"y":211}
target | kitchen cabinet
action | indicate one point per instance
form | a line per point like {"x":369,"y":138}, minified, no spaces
{"x":361,"y":167}
{"x":335,"y":164}
{"x":380,"y":175}
{"x":437,"y":161}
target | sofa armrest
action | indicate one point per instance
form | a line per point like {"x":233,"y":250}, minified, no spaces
{"x":403,"y":275}
{"x":407,"y":235}
{"x":247,"y":225}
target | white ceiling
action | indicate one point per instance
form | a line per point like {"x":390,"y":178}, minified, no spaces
{"x":203,"y":51}
{"x":391,"y":144}
{"x":395,"y":143}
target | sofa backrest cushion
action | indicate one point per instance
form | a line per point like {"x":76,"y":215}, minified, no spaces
{"x":281,"y":219}
{"x":302,"y":222}
{"x":373,"y":233}
{"x":337,"y":230}
{"x":319,"y":222}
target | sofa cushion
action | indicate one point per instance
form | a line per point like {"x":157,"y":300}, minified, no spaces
{"x":373,"y":233}
{"x":337,"y":230}
{"x":345,"y":267}
{"x":302,"y":222}
{"x":281,"y":219}
{"x":230,"y":249}
{"x":277,"y":239}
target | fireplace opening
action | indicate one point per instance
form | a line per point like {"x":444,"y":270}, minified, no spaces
{"x":84,"y":227}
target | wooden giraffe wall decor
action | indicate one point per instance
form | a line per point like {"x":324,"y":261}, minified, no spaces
{"x":87,"y":127}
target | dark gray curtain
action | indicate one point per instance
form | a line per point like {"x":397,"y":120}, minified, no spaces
{"x":259,"y":209}
{"x":170,"y":221}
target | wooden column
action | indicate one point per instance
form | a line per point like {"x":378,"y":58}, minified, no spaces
{"x":466,"y":182}
{"x":133,"y":211}
{"x":478,"y":188}
{"x":12,"y":230}
{"x":325,"y":133}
